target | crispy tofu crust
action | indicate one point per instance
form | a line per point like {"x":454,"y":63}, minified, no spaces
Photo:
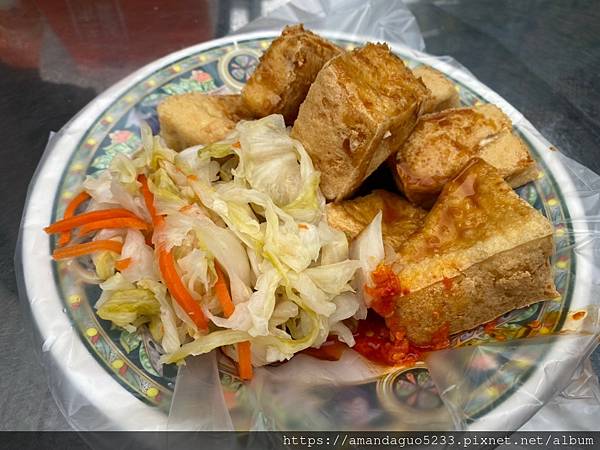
{"x":443,"y":93}
{"x":362,"y":106}
{"x":482,"y":252}
{"x":510,"y":156}
{"x":442,"y":144}
{"x":509,"y":280}
{"x":197,"y":118}
{"x":285,"y":72}
{"x":400,"y":219}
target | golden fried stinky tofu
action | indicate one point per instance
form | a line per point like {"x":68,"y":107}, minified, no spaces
{"x":197,"y":118}
{"x":362,"y":105}
{"x":285,"y":72}
{"x":510,"y":156}
{"x":443,"y":92}
{"x":482,"y":252}
{"x":399,"y":218}
{"x":442,"y":143}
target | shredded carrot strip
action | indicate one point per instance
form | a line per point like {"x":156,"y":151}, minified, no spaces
{"x":243,"y":348}
{"x":148,"y":198}
{"x":223,"y":293}
{"x":92,"y":216}
{"x":177,"y":289}
{"x":122,"y":264}
{"x":236,"y":144}
{"x":179,"y":292}
{"x":70,"y":212}
{"x":244,"y":360}
{"x":157,"y":220}
{"x":119,"y":222}
{"x":85,"y":249}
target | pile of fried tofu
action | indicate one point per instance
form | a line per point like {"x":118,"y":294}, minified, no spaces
{"x":467,"y":248}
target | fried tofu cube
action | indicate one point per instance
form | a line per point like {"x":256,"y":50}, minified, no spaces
{"x":197,"y":118}
{"x":443,"y":91}
{"x":400,"y":219}
{"x":482,"y":252}
{"x":510,"y":156}
{"x":362,"y":105}
{"x":286,"y":70}
{"x":443,"y":143}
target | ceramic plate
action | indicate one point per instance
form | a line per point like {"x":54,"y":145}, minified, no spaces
{"x":115,"y":374}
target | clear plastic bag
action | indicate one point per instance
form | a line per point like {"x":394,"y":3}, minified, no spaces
{"x":389,"y":21}
{"x":308,"y":394}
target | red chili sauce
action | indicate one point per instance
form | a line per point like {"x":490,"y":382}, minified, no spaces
{"x":374,"y":339}
{"x":376,"y":342}
{"x":391,"y":347}
{"x":386,"y":289}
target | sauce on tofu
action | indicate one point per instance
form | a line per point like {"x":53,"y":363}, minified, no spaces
{"x":385,"y":290}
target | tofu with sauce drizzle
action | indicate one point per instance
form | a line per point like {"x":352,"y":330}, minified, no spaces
{"x":443,"y":93}
{"x":399,"y":218}
{"x":482,"y":252}
{"x":286,"y":70}
{"x":361,"y":107}
{"x":443,"y":143}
